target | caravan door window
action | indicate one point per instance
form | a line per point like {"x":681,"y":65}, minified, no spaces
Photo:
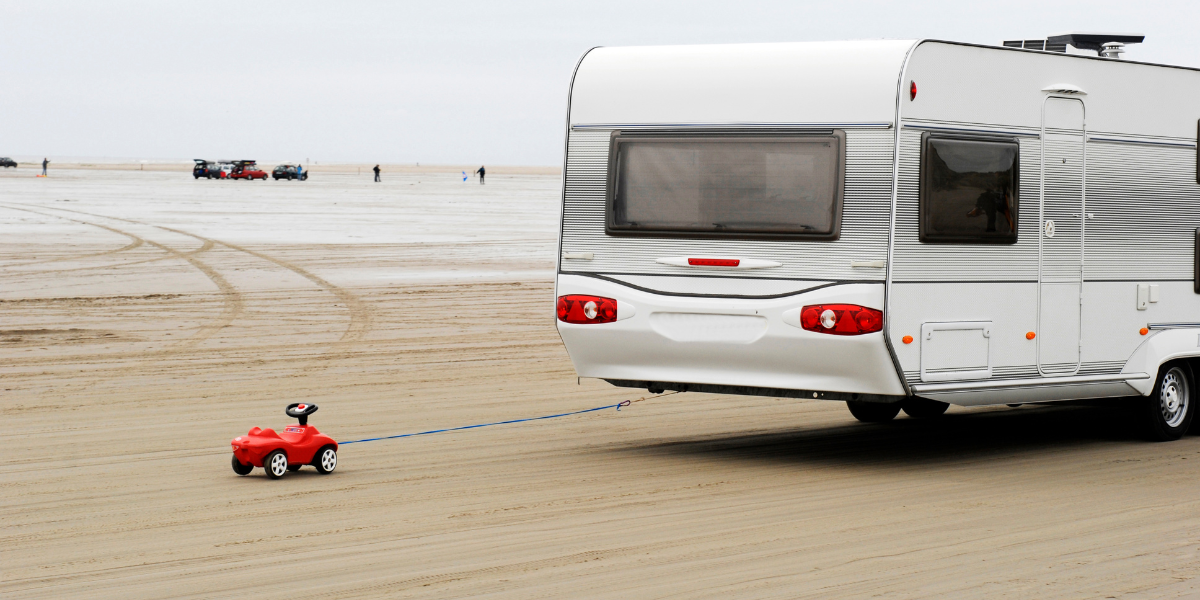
{"x":969,"y":190}
{"x":693,"y":185}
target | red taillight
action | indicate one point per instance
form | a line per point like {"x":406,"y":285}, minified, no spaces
{"x":841,"y":319}
{"x":586,"y":309}
{"x":714,"y":262}
{"x":912,"y":90}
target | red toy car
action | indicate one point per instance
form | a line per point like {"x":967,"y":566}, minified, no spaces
{"x":294,"y":447}
{"x":247,"y":169}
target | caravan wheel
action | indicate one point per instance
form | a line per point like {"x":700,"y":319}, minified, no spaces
{"x":1170,"y":408}
{"x":921,"y":408}
{"x":873,"y":412}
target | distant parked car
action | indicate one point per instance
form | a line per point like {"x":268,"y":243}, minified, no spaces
{"x":201,"y":168}
{"x":247,"y":169}
{"x":289,"y":172}
{"x":219,"y":170}
{"x":8,"y":162}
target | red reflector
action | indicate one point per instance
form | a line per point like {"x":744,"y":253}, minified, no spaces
{"x":841,"y":319}
{"x":714,"y":262}
{"x":912,"y":90}
{"x":586,"y":309}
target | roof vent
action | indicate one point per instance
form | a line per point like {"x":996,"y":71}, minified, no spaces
{"x":1108,"y":45}
{"x":1112,"y":50}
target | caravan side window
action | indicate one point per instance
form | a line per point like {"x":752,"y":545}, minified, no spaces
{"x":969,"y":190}
{"x":732,"y":185}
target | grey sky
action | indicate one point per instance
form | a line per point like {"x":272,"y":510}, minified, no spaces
{"x":436,"y":82}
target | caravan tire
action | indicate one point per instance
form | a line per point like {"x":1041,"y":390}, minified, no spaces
{"x":1171,"y":407}
{"x":873,"y":412}
{"x":922,"y":408}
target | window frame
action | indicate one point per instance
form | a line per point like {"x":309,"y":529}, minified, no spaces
{"x":923,"y":187}
{"x":618,"y":137}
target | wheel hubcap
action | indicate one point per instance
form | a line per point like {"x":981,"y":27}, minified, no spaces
{"x":329,"y":460}
{"x":278,"y":464}
{"x":1173,"y":398}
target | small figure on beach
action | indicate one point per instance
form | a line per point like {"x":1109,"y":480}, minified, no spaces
{"x":482,"y":171}
{"x":45,"y":163}
{"x":376,"y":172}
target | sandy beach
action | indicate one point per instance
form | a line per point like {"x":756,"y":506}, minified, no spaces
{"x":149,"y":318}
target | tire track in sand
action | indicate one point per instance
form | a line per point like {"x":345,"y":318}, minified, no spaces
{"x":360,"y":314}
{"x":134,"y":243}
{"x":203,"y":248}
{"x":232,"y":301}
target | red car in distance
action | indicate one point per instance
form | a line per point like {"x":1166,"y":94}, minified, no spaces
{"x":247,"y":169}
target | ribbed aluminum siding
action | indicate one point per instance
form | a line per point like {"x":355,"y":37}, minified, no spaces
{"x":1146,"y":204}
{"x":863,"y":237}
{"x":915,"y":261}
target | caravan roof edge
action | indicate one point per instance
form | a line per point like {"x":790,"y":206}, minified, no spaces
{"x":826,"y":82}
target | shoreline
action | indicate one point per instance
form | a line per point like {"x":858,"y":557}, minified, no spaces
{"x":186,"y":167}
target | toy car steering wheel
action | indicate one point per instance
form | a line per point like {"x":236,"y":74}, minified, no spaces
{"x":300,"y":410}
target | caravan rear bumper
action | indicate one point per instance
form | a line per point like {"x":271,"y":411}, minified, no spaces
{"x":727,"y":341}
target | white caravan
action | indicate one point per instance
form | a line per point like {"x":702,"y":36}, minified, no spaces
{"x":894,"y":224}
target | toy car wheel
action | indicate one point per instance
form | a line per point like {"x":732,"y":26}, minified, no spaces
{"x":276,"y":464}
{"x":241,"y":469}
{"x":326,"y":460}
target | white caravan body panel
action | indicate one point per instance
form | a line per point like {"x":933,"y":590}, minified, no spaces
{"x":1121,"y":188}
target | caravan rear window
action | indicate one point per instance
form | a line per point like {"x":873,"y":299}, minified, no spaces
{"x":692,"y":185}
{"x":969,"y":190}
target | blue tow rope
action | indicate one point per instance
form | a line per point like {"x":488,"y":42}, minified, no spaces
{"x":578,"y":412}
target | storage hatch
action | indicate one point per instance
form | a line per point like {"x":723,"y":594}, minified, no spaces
{"x":954,"y":351}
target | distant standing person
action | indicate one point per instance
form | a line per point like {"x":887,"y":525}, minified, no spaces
{"x":45,"y":163}
{"x":376,"y":172}
{"x":482,"y":171}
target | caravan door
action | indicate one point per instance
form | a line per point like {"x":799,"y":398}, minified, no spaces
{"x":1060,"y":247}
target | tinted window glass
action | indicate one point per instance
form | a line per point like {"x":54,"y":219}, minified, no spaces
{"x":716,"y":186}
{"x":969,"y":191}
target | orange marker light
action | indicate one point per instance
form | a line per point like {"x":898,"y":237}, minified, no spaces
{"x":1143,"y":331}
{"x":906,"y":339}
{"x":1030,"y":335}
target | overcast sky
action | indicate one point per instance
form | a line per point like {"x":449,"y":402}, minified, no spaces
{"x":432,"y":82}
